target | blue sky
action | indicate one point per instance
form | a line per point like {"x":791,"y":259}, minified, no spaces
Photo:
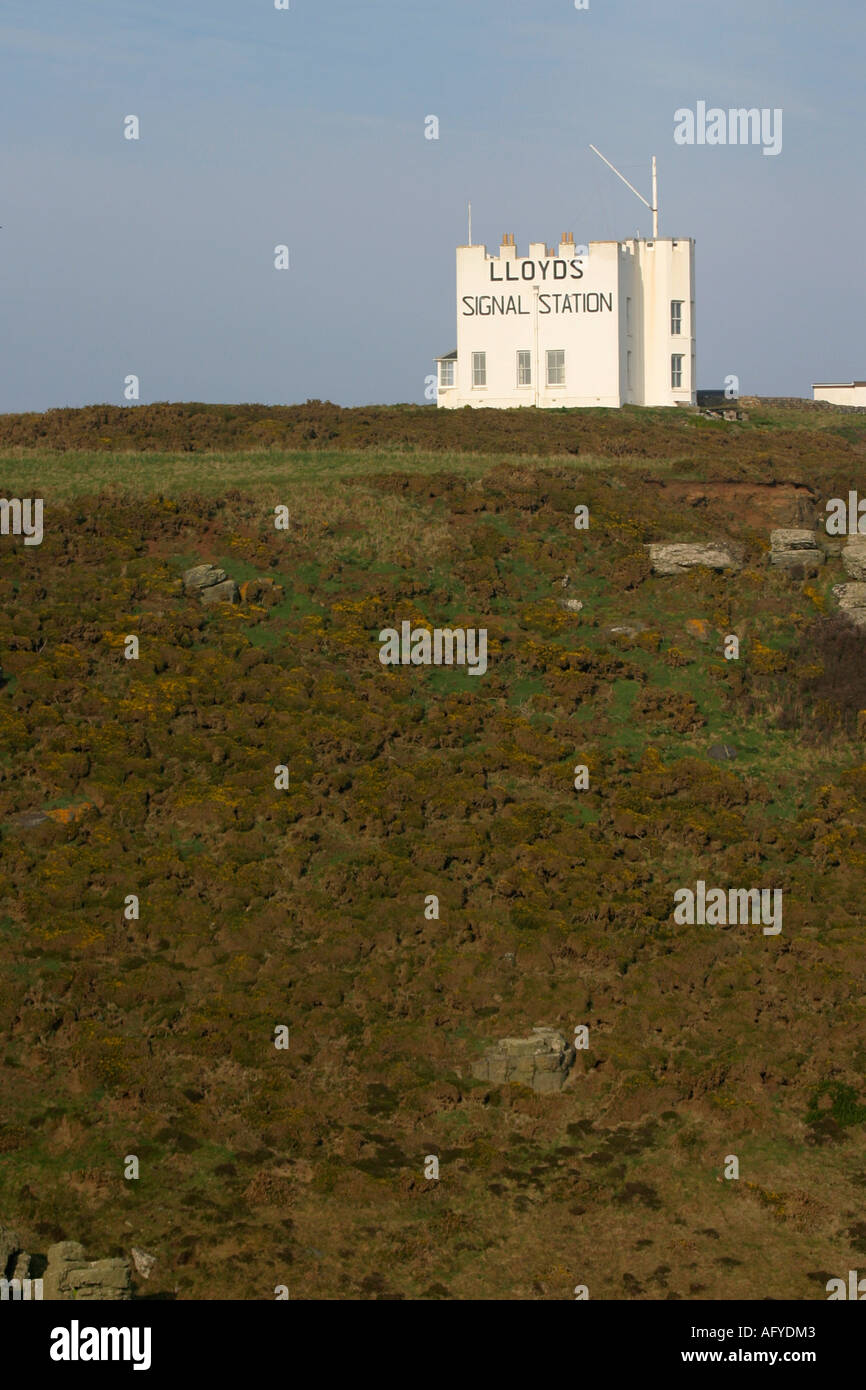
{"x":306,"y":128}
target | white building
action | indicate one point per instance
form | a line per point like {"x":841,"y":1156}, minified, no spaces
{"x":840,"y":392}
{"x":612,"y":327}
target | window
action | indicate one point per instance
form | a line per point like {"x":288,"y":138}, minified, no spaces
{"x":628,"y":314}
{"x":556,"y":367}
{"x":446,"y":373}
{"x":676,"y":316}
{"x":524,"y":369}
{"x":676,"y":370}
{"x":479,"y":369}
{"x":628,"y":369}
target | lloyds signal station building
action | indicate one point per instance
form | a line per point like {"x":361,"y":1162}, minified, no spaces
{"x":605,"y":325}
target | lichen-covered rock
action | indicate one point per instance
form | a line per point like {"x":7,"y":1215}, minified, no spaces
{"x":144,"y":1263}
{"x":70,"y":1275}
{"x":795,"y":548}
{"x":225,"y":592}
{"x":793,"y":538}
{"x":852,"y":601}
{"x":541,"y":1061}
{"x":203,"y":577}
{"x":722,"y":752}
{"x":677,"y":557}
{"x":854,"y":557}
{"x":629,"y":630}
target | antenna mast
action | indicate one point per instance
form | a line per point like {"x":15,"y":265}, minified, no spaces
{"x":654,"y":205}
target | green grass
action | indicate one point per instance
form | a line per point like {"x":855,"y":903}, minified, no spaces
{"x":61,"y":476}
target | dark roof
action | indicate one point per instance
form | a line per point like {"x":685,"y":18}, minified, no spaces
{"x":447,"y":357}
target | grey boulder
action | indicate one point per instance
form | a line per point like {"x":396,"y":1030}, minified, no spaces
{"x":541,"y":1061}
{"x":677,"y":557}
{"x":211,"y":583}
{"x":796,"y":549}
{"x":854,"y":557}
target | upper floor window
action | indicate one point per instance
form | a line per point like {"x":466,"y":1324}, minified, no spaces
{"x":676,"y":316}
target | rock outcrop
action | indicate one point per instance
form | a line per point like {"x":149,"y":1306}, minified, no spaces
{"x":722,"y":753}
{"x":854,"y":557}
{"x":796,"y":549}
{"x":71,"y":1275}
{"x":211,"y":584}
{"x":541,"y":1061}
{"x":17,"y":1275}
{"x":68,"y":1274}
{"x":852,"y":601}
{"x":629,"y":630}
{"x":678,"y":556}
{"x":143,"y":1262}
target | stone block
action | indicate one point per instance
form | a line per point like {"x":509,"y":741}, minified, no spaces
{"x":102,"y":1279}
{"x":852,"y":601}
{"x":202,"y":577}
{"x":676,"y":557}
{"x":541,"y":1061}
{"x":69,"y":1275}
{"x":793,"y":538}
{"x":518,"y":1047}
{"x":225,"y":592}
{"x":548,"y":1082}
{"x":854,"y":557}
{"x":797,"y":559}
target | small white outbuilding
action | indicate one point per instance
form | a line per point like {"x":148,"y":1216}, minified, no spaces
{"x":840,"y":392}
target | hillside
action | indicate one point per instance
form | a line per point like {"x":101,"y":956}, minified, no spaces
{"x":259,"y":908}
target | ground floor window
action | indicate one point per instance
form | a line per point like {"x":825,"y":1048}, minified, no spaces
{"x":479,"y":369}
{"x":524,"y":369}
{"x":446,"y":373}
{"x":676,"y":370}
{"x":556,"y":367}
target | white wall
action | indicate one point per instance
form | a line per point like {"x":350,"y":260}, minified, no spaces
{"x":852,"y":394}
{"x":537,"y":302}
